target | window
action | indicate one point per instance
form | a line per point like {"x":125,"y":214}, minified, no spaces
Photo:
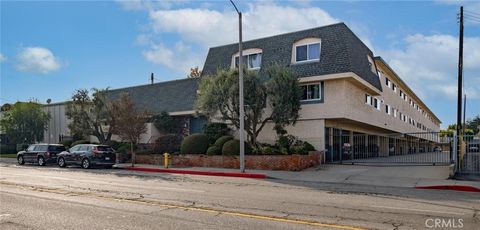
{"x":387,"y":109}
{"x":252,"y":61}
{"x":394,"y":87}
{"x":395,"y":113}
{"x":307,"y":52}
{"x":368,"y":99}
{"x":75,"y":148}
{"x":377,"y":103}
{"x":371,"y":64}
{"x":31,"y":148}
{"x":41,"y":148}
{"x":56,"y":148}
{"x":311,"y":92}
{"x":387,"y":82}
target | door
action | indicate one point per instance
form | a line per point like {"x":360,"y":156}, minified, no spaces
{"x":70,"y":153}
{"x":40,"y":150}
{"x":29,"y":152}
{"x":78,"y":155}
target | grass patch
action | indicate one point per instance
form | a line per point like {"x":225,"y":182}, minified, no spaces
{"x":9,"y":155}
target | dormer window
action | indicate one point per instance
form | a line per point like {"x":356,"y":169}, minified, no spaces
{"x":306,"y":50}
{"x":371,"y":64}
{"x":252,"y":59}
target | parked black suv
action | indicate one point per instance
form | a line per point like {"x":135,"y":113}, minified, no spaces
{"x":40,"y":154}
{"x":87,"y":155}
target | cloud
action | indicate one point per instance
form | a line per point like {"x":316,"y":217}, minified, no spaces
{"x":428,"y":64}
{"x":2,"y":58}
{"x":179,"y":57}
{"x":37,"y":60}
{"x":204,"y":28}
{"x":139,"y":5}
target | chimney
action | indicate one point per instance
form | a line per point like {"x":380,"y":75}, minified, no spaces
{"x":151,"y":78}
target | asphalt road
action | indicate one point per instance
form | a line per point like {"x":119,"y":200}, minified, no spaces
{"x":34,"y":197}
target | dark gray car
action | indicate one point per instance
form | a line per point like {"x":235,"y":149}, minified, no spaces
{"x":40,"y":154}
{"x":87,"y":155}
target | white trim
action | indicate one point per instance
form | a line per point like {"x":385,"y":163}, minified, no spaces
{"x":369,"y":87}
{"x":177,"y":113}
{"x":246,"y":52}
{"x":303,"y":42}
{"x":319,"y":91}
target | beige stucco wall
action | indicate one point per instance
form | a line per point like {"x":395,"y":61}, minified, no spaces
{"x":149,"y":136}
{"x":312,"y":131}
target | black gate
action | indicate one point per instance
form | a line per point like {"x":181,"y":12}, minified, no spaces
{"x":469,"y":160}
{"x":426,"y":148}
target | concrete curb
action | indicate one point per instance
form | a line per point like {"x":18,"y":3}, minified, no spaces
{"x":204,"y":173}
{"x":463,"y":188}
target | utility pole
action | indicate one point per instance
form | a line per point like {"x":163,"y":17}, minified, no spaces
{"x":459,"y":97}
{"x":464,"y":112}
{"x":241,"y":107}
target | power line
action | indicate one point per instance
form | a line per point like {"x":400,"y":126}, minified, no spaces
{"x":471,"y":16}
{"x":470,"y":12}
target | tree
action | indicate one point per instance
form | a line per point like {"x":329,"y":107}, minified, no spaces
{"x":194,"y":73}
{"x":25,"y":122}
{"x":129,"y":122}
{"x":168,"y":124}
{"x":219,"y":96}
{"x":451,"y":130}
{"x":90,"y":115}
{"x":474,"y":124}
{"x":5,"y":107}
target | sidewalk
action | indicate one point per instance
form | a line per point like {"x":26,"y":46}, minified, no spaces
{"x":394,"y":176}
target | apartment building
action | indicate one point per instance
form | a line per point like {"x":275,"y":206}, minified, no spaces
{"x":349,"y":95}
{"x":347,"y":90}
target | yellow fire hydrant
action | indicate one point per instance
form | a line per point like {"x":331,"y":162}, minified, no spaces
{"x":166,"y":158}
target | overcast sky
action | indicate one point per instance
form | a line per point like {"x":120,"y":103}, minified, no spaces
{"x":49,"y":49}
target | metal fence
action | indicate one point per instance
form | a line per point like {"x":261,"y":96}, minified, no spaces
{"x":409,"y":148}
{"x":469,"y":160}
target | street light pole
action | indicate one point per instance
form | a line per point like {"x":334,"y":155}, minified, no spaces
{"x":240,"y":73}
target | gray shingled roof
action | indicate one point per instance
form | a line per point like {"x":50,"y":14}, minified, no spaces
{"x":169,"y":96}
{"x":341,"y":51}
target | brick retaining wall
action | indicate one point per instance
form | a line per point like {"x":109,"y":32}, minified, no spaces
{"x":293,"y":162}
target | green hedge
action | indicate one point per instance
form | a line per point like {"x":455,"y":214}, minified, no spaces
{"x":8,"y":149}
{"x":232,"y":147}
{"x":79,"y":142}
{"x":222,"y":140}
{"x":169,"y":143}
{"x":194,"y":144}
{"x":215,"y":130}
{"x":214,"y":150}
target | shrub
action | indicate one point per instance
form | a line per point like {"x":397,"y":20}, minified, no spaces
{"x":21,"y":147}
{"x":302,"y":147}
{"x":144,"y":152}
{"x":270,"y":149}
{"x":115,"y":144}
{"x":308,"y":147}
{"x":214,"y":150}
{"x":221,"y":141}
{"x":79,"y":142}
{"x":215,"y":130}
{"x":67,"y":143}
{"x":8,"y":149}
{"x":167,"y":144}
{"x":194,"y":144}
{"x":232,"y":147}
{"x":123,"y":148}
{"x":285,"y":142}
{"x":168,"y":124}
